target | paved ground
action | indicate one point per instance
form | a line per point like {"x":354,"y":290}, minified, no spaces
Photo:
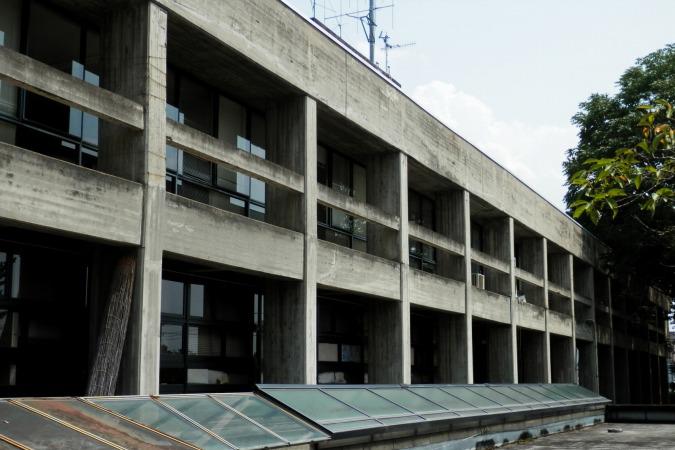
{"x":633,"y":436}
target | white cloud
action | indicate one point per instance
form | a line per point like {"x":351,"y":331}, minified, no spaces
{"x":534,"y":153}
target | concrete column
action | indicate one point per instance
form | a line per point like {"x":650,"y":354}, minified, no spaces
{"x":290,"y":331}
{"x":547,"y":333}
{"x":468,"y":314}
{"x":611,"y":334}
{"x":454,"y":336}
{"x":389,"y":333}
{"x":570,"y":278}
{"x":134,"y":42}
{"x":595,"y":367}
{"x":513,"y":303}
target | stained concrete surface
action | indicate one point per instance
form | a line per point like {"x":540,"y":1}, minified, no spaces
{"x":633,"y":436}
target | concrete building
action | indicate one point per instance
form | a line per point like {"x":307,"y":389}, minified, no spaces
{"x":294,"y":218}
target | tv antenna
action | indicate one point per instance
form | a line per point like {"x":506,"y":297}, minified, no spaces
{"x":367,"y":17}
{"x":388,"y":47}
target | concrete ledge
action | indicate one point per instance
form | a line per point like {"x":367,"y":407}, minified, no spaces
{"x":491,"y":306}
{"x":559,"y":323}
{"x":350,"y":270}
{"x":214,"y":236}
{"x":528,"y":277}
{"x":429,"y":237}
{"x":436,"y":292}
{"x":52,"y":83}
{"x":207,"y":147}
{"x":604,"y":335}
{"x":556,"y":289}
{"x":45,"y":192}
{"x":489,"y":261}
{"x":333,"y":199}
{"x":584,"y":331}
{"x":582,"y":299}
{"x":531,"y":316}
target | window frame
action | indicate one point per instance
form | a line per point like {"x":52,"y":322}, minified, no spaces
{"x":419,"y":260}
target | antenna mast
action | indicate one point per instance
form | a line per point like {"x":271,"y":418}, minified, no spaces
{"x":372,"y":25}
{"x":387,"y":47}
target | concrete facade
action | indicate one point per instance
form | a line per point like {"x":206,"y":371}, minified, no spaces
{"x":532,"y":318}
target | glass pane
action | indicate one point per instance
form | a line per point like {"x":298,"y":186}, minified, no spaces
{"x":340,"y":175}
{"x":512,"y":393}
{"x":369,"y":403}
{"x":236,"y":345}
{"x":33,"y":430}
{"x":350,"y":353}
{"x":271,"y":417}
{"x":355,"y":425}
{"x":244,"y":184}
{"x":207,"y":376}
{"x":103,"y":424}
{"x":258,"y":134}
{"x":196,"y":102}
{"x":193,"y":191}
{"x":153,"y":415}
{"x":231,"y":121}
{"x":196,"y":167}
{"x":171,"y":339}
{"x":257,"y":190}
{"x":315,"y":405}
{"x":409,"y":400}
{"x":341,"y":220}
{"x":256,"y":212}
{"x":470,"y":397}
{"x":360,"y":227}
{"x":537,"y":396}
{"x":546,"y":392}
{"x":493,"y":395}
{"x":204,"y":341}
{"x":442,"y":398}
{"x":226,"y":178}
{"x":328,"y":352}
{"x":9,"y":328}
{"x":359,"y":191}
{"x":226,"y":424}
{"x":197,"y":300}
{"x":172,"y":297}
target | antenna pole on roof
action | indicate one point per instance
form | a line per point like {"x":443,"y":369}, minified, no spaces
{"x":371,"y":34}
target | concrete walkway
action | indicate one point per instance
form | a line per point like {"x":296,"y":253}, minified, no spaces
{"x":633,"y":436}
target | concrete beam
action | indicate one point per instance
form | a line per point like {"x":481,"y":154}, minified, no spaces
{"x":434,"y":239}
{"x":217,"y":151}
{"x":529,"y":278}
{"x":39,"y":191}
{"x":333,"y":199}
{"x":490,"y":306}
{"x":39,"y":78}
{"x":557,"y":289}
{"x":559,"y":323}
{"x":433,"y":291}
{"x":214,"y":236}
{"x":531,"y":316}
{"x":490,"y":261}
{"x":342,"y":268}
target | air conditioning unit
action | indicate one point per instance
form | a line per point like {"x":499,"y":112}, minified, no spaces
{"x":522,"y":298}
{"x":478,"y":280}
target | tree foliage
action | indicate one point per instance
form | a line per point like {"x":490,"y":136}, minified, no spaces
{"x":621,"y":174}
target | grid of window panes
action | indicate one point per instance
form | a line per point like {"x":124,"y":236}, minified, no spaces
{"x":209,"y":338}
{"x":200,"y":107}
{"x":421,"y":212}
{"x":341,"y":342}
{"x":34,"y":122}
{"x":347,"y":177}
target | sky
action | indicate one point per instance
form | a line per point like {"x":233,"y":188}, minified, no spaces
{"x":509,"y":75}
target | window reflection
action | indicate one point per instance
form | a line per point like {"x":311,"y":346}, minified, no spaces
{"x":421,"y":212}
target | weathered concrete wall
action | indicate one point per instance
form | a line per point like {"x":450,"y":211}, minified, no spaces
{"x":531,"y":316}
{"x":214,"y":236}
{"x":273,"y":36}
{"x":436,"y":292}
{"x":490,"y":306}
{"x":559,"y":323}
{"x":37,"y":190}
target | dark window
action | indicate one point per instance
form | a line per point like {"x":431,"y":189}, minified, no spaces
{"x":341,"y":343}
{"x":347,"y":177}
{"x":43,"y":343}
{"x":421,"y":212}
{"x":209,"y":335}
{"x":423,"y":344}
{"x":200,"y":107}
{"x":35,"y":122}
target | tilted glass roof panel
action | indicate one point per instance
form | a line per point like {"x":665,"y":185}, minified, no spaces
{"x":37,"y":432}
{"x":216,"y":418}
{"x":285,"y":425}
{"x":153,"y":415}
{"x":409,"y":400}
{"x":315,"y":405}
{"x":103,"y":424}
{"x":354,"y":425}
{"x":472,"y":398}
{"x":568,"y":394}
{"x":517,"y":395}
{"x":367,"y":402}
{"x":576,"y":391}
{"x":534,"y":393}
{"x":495,"y":396}
{"x":548,"y":393}
{"x":446,"y":400}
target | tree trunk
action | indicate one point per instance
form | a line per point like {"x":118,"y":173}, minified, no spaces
{"x":105,"y":369}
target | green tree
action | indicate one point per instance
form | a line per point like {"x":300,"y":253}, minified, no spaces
{"x":621,"y":174}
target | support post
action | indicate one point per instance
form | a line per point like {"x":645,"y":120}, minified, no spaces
{"x":513,"y":302}
{"x":547,"y":338}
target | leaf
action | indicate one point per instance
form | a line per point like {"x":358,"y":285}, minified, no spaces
{"x":637,"y":181}
{"x":580,"y":210}
{"x":613,"y":206}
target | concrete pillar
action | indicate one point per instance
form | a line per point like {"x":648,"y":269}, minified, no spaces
{"x":595,"y":368}
{"x":509,"y":249}
{"x":569,"y":272}
{"x":134,"y":42}
{"x":468,"y":314}
{"x":547,"y":334}
{"x":389,"y":330}
{"x":290,"y":331}
{"x":611,"y":334}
